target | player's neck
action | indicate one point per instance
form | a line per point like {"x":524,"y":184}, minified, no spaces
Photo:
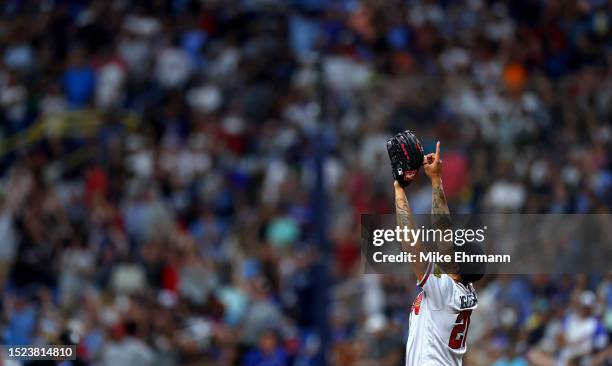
{"x":455,"y":277}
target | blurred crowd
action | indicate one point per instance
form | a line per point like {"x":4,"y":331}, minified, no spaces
{"x":159,"y":165}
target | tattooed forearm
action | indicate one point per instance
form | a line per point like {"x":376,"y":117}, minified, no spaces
{"x":438,"y":204}
{"x":439,"y":208}
{"x":404,"y":217}
{"x":442,"y":220}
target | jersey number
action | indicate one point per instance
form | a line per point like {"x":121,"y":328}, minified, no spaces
{"x":458,"y":335}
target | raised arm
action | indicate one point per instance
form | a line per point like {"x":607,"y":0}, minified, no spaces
{"x":405,"y":219}
{"x":433,"y":168}
{"x":441,"y":218}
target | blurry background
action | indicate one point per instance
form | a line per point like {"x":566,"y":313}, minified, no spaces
{"x":181,"y":180}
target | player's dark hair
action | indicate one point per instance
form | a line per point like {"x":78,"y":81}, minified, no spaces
{"x":471,"y":271}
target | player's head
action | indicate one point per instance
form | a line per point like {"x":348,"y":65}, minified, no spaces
{"x":471,"y":271}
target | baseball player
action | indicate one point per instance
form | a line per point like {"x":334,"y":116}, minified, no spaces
{"x":440,"y":315}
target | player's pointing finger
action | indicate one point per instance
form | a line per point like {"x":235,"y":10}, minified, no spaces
{"x":438,"y":151}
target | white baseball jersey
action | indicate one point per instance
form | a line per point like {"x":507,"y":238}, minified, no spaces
{"x":439,"y":320}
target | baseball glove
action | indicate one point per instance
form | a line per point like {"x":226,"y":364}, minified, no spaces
{"x":406,"y":154}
